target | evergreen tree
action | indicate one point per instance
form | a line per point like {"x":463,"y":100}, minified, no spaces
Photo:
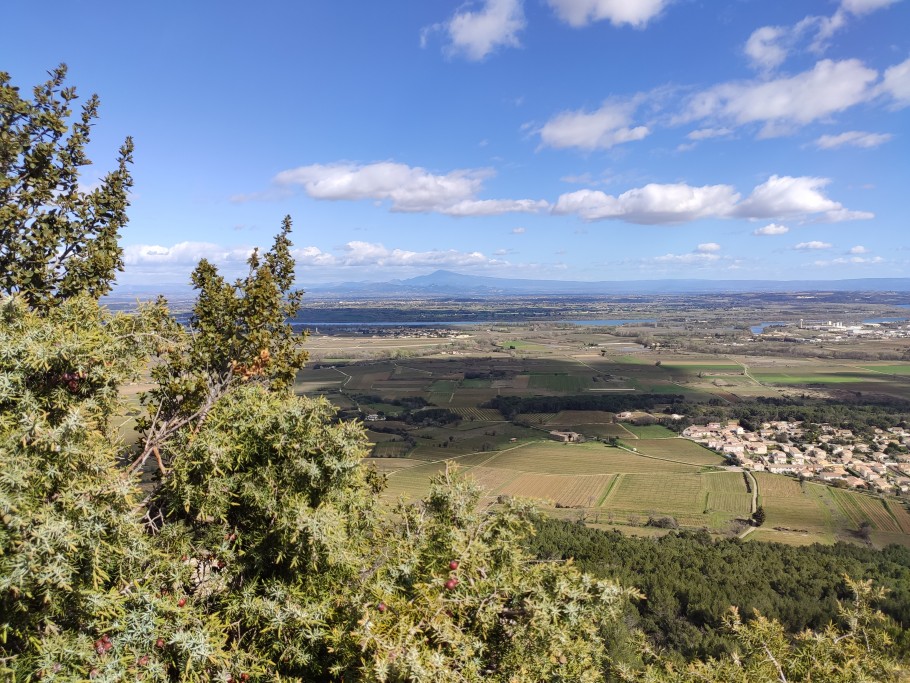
{"x":57,"y":239}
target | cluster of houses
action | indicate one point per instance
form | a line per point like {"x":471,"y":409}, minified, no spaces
{"x":821,"y":452}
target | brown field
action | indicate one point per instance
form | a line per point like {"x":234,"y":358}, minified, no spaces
{"x":736,"y":503}
{"x":678,"y":449}
{"x":901,"y":515}
{"x":482,"y":414}
{"x":725,"y":482}
{"x":491,"y":478}
{"x":860,"y":507}
{"x":563,"y":491}
{"x":658,"y":493}
{"x":390,"y":464}
{"x":777,"y":485}
{"x":557,"y":458}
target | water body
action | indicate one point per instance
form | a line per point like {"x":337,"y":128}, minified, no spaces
{"x":760,"y":327}
{"x":460,"y":323}
{"x":871,"y":321}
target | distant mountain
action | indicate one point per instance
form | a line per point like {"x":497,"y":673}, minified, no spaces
{"x":445,"y":283}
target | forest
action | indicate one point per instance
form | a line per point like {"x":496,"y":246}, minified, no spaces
{"x":690,"y":581}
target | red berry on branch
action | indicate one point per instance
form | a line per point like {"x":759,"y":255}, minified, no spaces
{"x":451,"y":584}
{"x":453,"y":565}
{"x":159,"y":643}
{"x":244,"y":677}
{"x":382,"y":607}
{"x":181,"y":602}
{"x":143,"y":660}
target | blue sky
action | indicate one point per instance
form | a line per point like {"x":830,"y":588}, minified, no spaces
{"x":564,"y":139}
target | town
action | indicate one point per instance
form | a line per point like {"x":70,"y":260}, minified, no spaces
{"x":822,"y":452}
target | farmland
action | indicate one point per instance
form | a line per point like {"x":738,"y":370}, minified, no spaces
{"x":630,"y":470}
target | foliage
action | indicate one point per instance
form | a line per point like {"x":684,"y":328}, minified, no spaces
{"x":690,"y":582}
{"x":238,"y":333}
{"x":57,"y":239}
{"x":758,"y":517}
{"x":857,"y":651}
{"x":510,"y":406}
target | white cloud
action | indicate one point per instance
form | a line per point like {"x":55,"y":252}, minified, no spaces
{"x":896,"y":83}
{"x":769,"y":46}
{"x":476,"y":33}
{"x":707,"y":133}
{"x":694,"y":258}
{"x":829,"y":87}
{"x":375,"y":254}
{"x":636,"y":13}
{"x":653,"y":204}
{"x":853,"y":138}
{"x":865,"y":6}
{"x":494,"y":207}
{"x":518,"y":231}
{"x":858,"y":249}
{"x":782,"y":196}
{"x":707,"y":248}
{"x":352,"y":254}
{"x":853,"y":261}
{"x":183,"y":253}
{"x":772,"y":229}
{"x":766,"y":46}
{"x":810,"y":246}
{"x":601,"y":129}
{"x":410,"y":189}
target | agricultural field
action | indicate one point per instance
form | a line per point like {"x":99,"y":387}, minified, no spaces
{"x":649,"y":431}
{"x":609,"y":487}
{"x":681,"y":450}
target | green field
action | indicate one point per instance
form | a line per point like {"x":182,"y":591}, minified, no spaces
{"x":610,"y":487}
{"x":557,"y":382}
{"x":649,"y":431}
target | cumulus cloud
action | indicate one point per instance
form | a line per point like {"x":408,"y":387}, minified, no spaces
{"x":782,"y":103}
{"x":518,"y":231}
{"x":352,"y":254}
{"x":778,"y":197}
{"x":600,"y":129}
{"x":652,"y":204}
{"x":896,"y":83}
{"x":859,"y":7}
{"x":858,"y":249}
{"x":811,"y":246}
{"x":375,"y":254}
{"x":636,"y":13}
{"x":707,"y":248}
{"x":183,"y":253}
{"x":782,"y":196}
{"x":769,"y":46}
{"x":853,"y":138}
{"x":477,"y":32}
{"x":772,"y":229}
{"x":409,"y":189}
